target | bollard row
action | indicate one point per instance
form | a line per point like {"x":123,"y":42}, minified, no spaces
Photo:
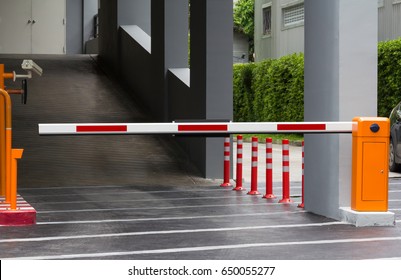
{"x":286,"y":197}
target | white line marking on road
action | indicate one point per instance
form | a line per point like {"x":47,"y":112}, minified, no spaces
{"x":144,"y":200}
{"x":210,"y":248}
{"x":125,"y":234}
{"x":119,"y":193}
{"x":159,"y":208}
{"x":170,"y":218}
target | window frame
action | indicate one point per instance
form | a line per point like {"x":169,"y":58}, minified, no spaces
{"x":289,"y":6}
{"x":264,"y":7}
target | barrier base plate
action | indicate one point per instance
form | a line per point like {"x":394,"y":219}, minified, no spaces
{"x":226,"y":185}
{"x":367,"y":219}
{"x":286,"y":200}
{"x":254,"y":193}
{"x":269,"y":196}
{"x":25,"y":214}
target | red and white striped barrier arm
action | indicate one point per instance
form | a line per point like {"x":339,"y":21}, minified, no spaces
{"x":195,"y":128}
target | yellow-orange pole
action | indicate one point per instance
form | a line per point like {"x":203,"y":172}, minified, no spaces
{"x":2,"y":136}
{"x":1,"y":76}
{"x":8,"y":75}
{"x":16,"y":154}
{"x":8,"y":138}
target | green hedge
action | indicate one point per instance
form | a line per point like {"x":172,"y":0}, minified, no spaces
{"x":389,"y":76}
{"x":243,"y":93}
{"x":272,"y":90}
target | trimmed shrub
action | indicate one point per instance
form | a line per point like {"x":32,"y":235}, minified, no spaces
{"x":261,"y":84}
{"x":278,"y":89}
{"x":243,"y":94}
{"x":269,"y":91}
{"x":389,"y":76}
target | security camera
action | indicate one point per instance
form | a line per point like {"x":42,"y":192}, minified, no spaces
{"x":29,"y":66}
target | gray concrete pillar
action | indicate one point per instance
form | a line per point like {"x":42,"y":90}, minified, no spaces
{"x":340,"y":83}
{"x":108,"y":36}
{"x":135,"y":12}
{"x":211,"y":74}
{"x":169,"y":46}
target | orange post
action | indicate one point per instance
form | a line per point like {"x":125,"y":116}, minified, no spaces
{"x":1,"y":76}
{"x":6,"y":136}
{"x":370,"y":142}
{"x":16,"y":154}
{"x":2,"y":135}
{"x":6,"y":145}
{"x":5,"y":132}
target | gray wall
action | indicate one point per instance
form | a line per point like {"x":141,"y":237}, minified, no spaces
{"x":80,"y":26}
{"x":282,"y":41}
{"x":74,"y":27}
{"x":90,"y":9}
{"x":340,"y":84}
{"x":240,"y":48}
{"x":135,"y":12}
{"x":389,"y":19}
{"x":108,"y":37}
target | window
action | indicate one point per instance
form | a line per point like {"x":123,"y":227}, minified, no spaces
{"x":293,"y":15}
{"x":267,"y":21}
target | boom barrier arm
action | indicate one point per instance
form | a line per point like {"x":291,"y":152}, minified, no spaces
{"x":182,"y":128}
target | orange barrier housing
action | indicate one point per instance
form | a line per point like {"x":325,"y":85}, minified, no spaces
{"x":370,"y":148}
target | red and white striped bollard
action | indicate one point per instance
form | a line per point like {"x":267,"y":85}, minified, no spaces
{"x":302,"y":205}
{"x":254,"y":170}
{"x":286,"y":172}
{"x":238,"y":184}
{"x":269,"y":169}
{"x":226,"y":182}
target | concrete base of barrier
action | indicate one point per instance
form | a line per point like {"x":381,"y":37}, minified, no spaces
{"x":24,"y":215}
{"x":367,"y":219}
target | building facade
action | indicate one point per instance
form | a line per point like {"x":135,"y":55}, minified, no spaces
{"x":279,"y":26}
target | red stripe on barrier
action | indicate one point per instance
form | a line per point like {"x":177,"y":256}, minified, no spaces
{"x":301,"y":127}
{"x":203,"y":127}
{"x":102,"y":128}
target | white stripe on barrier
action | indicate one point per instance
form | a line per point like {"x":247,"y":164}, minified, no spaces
{"x":194,"y":128}
{"x":286,"y":169}
{"x":254,"y":164}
